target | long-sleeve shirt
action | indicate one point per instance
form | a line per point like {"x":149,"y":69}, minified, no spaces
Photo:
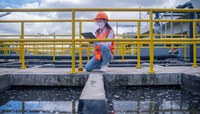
{"x":110,"y":35}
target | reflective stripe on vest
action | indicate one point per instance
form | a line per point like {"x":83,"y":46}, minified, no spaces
{"x":97,"y":51}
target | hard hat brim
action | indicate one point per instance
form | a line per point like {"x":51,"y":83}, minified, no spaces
{"x":100,"y":18}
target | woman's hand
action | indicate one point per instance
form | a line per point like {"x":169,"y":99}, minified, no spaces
{"x":97,"y":44}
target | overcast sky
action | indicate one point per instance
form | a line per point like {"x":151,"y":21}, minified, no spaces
{"x":65,"y":28}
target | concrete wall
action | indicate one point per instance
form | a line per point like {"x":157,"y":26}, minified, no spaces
{"x":5,"y":82}
{"x":48,"y":79}
{"x":113,"y":80}
{"x":187,"y":81}
{"x":191,"y":83}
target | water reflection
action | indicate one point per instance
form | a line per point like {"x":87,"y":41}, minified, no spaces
{"x":37,"y":106}
{"x":43,"y":100}
{"x":157,"y":100}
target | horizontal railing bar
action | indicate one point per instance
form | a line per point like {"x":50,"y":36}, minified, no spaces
{"x":94,"y":40}
{"x":98,"y":9}
{"x":79,"y":35}
{"x":112,"y":20}
{"x":77,"y":20}
{"x":177,"y":20}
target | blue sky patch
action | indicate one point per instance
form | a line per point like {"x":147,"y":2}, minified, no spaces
{"x":15,"y":3}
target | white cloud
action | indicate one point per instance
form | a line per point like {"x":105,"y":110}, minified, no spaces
{"x":31,"y":5}
{"x":64,"y":28}
{"x":62,"y":1}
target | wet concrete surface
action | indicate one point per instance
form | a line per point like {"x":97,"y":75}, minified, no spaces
{"x":93,"y":100}
{"x":113,"y":70}
{"x":156,"y":100}
{"x":39,"y":100}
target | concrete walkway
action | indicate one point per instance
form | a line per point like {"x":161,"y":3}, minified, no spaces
{"x":93,"y":98}
{"x":115,"y":70}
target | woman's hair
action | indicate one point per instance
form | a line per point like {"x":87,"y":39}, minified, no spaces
{"x":107,"y":26}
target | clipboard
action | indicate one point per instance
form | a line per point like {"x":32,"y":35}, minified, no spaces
{"x":88,"y":35}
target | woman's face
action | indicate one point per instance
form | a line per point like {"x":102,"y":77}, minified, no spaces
{"x":100,"y":23}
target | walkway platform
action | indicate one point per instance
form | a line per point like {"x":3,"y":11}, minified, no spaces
{"x":115,"y":70}
{"x":114,"y":77}
{"x":93,"y":98}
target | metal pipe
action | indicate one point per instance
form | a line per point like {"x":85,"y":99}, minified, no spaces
{"x":97,"y":9}
{"x":151,"y":70}
{"x":194,"y":47}
{"x":80,"y":68}
{"x":22,"y":47}
{"x":138,"y":49}
{"x":73,"y":70}
{"x":54,"y":51}
{"x":147,"y":40}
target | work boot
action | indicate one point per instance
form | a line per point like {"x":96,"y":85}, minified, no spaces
{"x":104,"y":68}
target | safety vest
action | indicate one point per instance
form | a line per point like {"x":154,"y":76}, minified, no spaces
{"x":104,"y":35}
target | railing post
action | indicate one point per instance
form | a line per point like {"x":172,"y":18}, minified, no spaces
{"x":54,"y":50}
{"x":34,"y":50}
{"x":80,"y":68}
{"x":138,"y":46}
{"x":22,"y":47}
{"x":194,"y":46}
{"x":62,"y":50}
{"x":73,"y":70}
{"x":88,"y":52}
{"x":4,"y":49}
{"x":123,"y":49}
{"x":43,"y":50}
{"x":185,"y":50}
{"x":28,"y":49}
{"x":151,"y":70}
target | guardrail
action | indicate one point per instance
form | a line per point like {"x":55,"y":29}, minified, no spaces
{"x":139,"y":41}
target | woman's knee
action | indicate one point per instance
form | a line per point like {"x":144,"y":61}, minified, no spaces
{"x":87,"y":68}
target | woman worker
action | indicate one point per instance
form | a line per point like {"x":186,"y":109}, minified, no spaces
{"x":103,"y":53}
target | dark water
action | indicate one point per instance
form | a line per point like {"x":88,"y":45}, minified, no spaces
{"x":38,"y":100}
{"x":154,"y":100}
{"x":130,"y":100}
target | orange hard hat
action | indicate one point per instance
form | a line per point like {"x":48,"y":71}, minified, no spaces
{"x":101,"y":15}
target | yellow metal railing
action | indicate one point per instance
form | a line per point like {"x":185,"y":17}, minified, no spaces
{"x":139,"y":41}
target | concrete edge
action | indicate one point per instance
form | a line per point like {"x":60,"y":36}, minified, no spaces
{"x":48,"y":79}
{"x":115,"y":80}
{"x":191,"y":83}
{"x":5,"y":82}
